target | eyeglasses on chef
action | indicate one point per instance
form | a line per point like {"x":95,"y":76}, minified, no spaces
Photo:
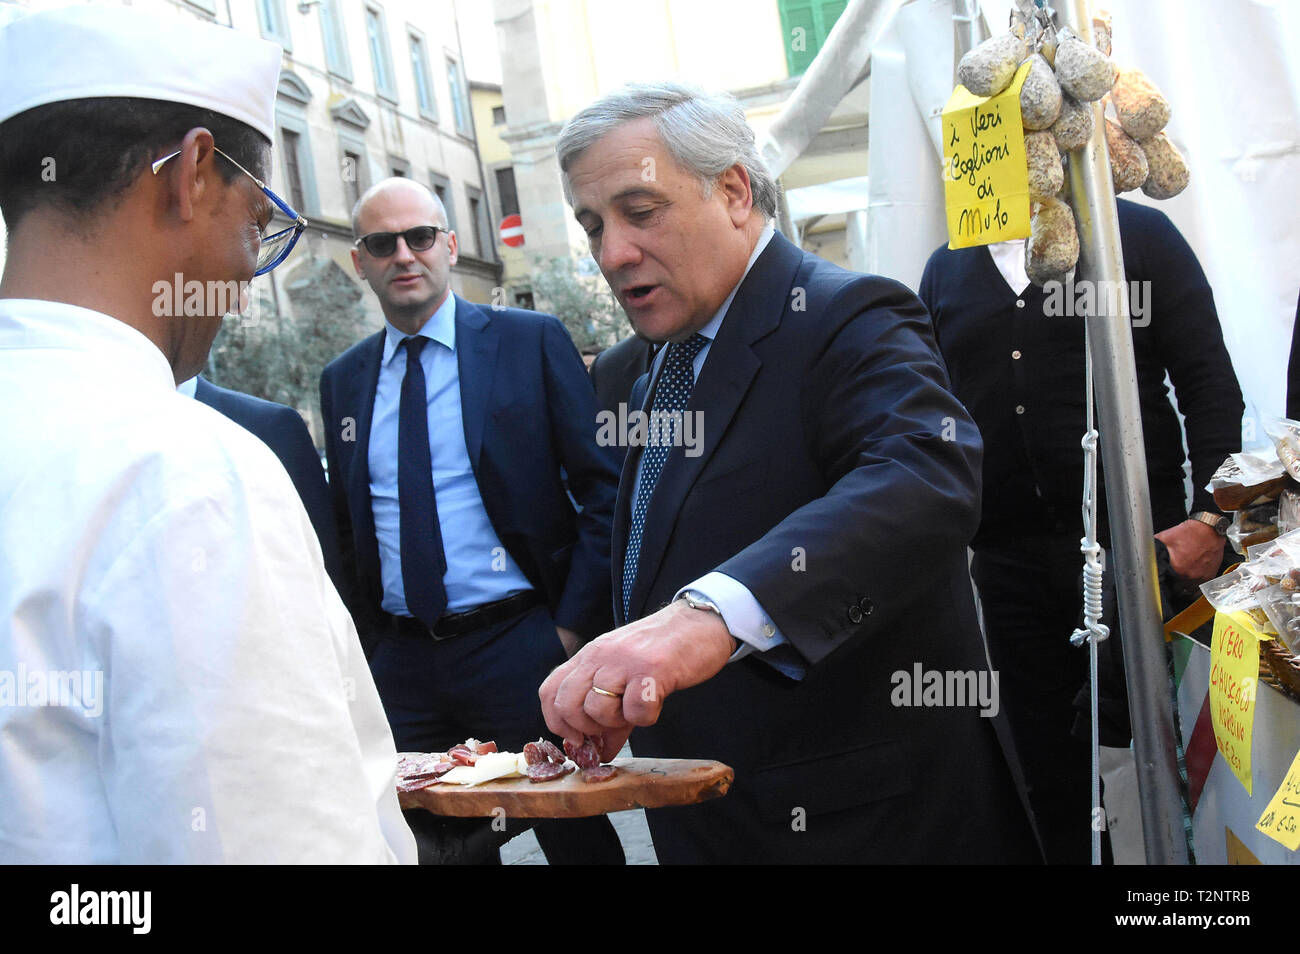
{"x":274,"y":248}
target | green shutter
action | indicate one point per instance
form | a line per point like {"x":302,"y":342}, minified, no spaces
{"x":805,"y":24}
{"x":798,"y":34}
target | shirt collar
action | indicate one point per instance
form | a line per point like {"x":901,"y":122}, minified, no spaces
{"x":710,"y":330}
{"x":441,"y":327}
{"x":36,"y":323}
{"x":1009,"y":259}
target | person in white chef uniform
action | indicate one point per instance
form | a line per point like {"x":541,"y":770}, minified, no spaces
{"x":179,"y":680}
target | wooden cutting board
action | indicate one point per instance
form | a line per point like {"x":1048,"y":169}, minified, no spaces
{"x":640,"y":783}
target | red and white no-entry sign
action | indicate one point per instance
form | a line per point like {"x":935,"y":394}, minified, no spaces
{"x":512,"y":231}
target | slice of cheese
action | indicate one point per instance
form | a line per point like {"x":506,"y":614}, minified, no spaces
{"x":487,"y":767}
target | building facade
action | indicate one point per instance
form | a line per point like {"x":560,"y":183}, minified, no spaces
{"x":556,"y":56}
{"x":368,"y":89}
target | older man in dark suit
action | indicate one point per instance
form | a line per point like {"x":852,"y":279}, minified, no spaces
{"x":458,"y":439}
{"x":786,"y":587}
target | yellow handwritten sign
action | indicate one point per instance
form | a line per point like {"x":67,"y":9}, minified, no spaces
{"x":1281,"y":819}
{"x":985,"y":174}
{"x":1234,"y":673}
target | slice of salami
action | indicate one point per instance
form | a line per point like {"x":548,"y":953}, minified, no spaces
{"x":551,"y":751}
{"x":415,"y":784}
{"x":533,"y":755}
{"x":546,"y":771}
{"x":601,"y":773}
{"x":412,"y":764}
{"x":585,"y":756}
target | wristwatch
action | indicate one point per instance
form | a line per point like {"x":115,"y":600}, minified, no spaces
{"x":697,"y":600}
{"x":1218,"y":521}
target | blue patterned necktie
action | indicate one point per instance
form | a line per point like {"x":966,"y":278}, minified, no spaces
{"x":423,"y":560}
{"x":672,"y":394}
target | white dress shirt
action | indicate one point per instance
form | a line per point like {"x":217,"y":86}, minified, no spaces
{"x":479,"y":568}
{"x":179,"y":681}
{"x":1009,"y":257}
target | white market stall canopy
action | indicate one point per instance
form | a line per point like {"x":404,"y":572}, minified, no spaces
{"x":1235,"y":87}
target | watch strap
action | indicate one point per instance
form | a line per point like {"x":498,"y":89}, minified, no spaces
{"x":1217,"y":521}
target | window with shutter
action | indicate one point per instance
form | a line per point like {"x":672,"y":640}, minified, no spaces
{"x":805,"y":25}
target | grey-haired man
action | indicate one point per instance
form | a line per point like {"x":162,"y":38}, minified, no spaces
{"x":772,"y":588}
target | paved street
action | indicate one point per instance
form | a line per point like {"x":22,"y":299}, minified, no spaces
{"x":631,"y":829}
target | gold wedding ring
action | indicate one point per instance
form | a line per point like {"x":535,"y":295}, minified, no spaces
{"x":605,"y":692}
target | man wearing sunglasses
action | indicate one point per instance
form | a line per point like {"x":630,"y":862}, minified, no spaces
{"x":161,"y":587}
{"x":456,"y":436}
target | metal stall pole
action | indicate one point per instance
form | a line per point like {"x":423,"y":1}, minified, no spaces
{"x":1128,"y":502}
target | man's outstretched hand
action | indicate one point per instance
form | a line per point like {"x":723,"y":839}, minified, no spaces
{"x":642,"y":664}
{"x":1195,"y":550}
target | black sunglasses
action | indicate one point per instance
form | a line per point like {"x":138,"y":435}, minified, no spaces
{"x":418,"y":239}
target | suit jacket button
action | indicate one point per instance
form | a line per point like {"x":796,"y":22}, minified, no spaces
{"x":866,"y":606}
{"x":855,"y":614}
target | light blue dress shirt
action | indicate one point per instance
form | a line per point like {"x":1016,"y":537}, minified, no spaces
{"x":479,"y":570}
{"x":744,"y":616}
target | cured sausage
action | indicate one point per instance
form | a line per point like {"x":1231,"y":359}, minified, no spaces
{"x":585,"y":756}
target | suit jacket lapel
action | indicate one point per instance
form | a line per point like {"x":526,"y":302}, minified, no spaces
{"x":360,"y":404}
{"x":476,"y":355}
{"x":728,"y":371}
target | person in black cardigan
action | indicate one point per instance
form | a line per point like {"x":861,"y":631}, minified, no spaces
{"x":1017,"y":363}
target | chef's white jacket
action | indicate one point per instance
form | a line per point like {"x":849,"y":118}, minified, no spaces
{"x":179,"y":681}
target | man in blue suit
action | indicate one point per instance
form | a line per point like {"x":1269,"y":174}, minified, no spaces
{"x":459,"y":439}
{"x":785,"y":586}
{"x":281,"y":428}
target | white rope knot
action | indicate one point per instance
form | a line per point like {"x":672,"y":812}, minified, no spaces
{"x":1093,"y":629}
{"x":1089,"y":441}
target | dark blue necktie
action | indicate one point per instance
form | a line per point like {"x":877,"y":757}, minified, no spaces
{"x":672,"y":394}
{"x":423,"y":562}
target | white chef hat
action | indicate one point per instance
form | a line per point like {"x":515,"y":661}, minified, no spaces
{"x":90,"y":51}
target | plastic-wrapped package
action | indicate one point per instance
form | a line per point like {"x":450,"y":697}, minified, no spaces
{"x":1285,"y":435}
{"x":1274,"y":558}
{"x":1253,"y":524}
{"x":1238,"y":591}
{"x":1288,"y":512}
{"x":1247,"y":478}
{"x":1281,"y":604}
